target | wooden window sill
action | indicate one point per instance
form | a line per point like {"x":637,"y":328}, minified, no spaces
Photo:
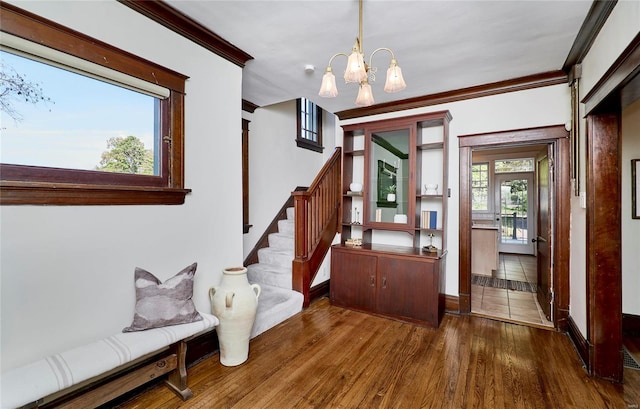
{"x":35,"y":193}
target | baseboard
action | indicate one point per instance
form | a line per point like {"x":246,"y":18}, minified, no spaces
{"x":631,"y":325}
{"x":319,"y":291}
{"x":452,"y":304}
{"x":579,"y":341}
{"x":201,"y":347}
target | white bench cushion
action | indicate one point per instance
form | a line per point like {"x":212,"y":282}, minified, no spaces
{"x":49,"y":375}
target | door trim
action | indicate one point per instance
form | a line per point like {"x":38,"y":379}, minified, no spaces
{"x":558,"y":136}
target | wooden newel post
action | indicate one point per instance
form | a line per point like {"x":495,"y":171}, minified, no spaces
{"x":300,"y":264}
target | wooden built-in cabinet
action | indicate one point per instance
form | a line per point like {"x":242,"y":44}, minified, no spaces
{"x":395,"y":217}
{"x":395,"y":282}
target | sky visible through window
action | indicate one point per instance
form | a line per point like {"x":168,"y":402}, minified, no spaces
{"x":72,"y":130}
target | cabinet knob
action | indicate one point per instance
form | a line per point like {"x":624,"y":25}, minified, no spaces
{"x":372,"y":281}
{"x":384,"y":282}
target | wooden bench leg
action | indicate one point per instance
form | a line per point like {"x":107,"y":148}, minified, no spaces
{"x":177,"y":380}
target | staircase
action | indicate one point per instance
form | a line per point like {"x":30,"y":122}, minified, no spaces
{"x":273,"y":273}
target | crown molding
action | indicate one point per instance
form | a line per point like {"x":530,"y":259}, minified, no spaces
{"x":163,"y":14}
{"x":516,"y":84}
{"x":249,"y":106}
{"x":593,"y":22}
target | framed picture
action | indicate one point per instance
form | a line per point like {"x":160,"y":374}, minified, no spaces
{"x":635,"y":188}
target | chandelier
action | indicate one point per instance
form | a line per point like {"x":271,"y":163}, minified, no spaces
{"x":358,"y":71}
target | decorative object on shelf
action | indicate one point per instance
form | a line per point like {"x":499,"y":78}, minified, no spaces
{"x":391,"y":196}
{"x":431,"y":189}
{"x":355,"y":187}
{"x":355,"y":220}
{"x":353,"y":242}
{"x":429,"y":219}
{"x":430,"y":248}
{"x":358,"y":71}
{"x":235,"y":303}
{"x":400,"y":218}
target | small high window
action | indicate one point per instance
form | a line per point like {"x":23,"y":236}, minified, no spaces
{"x":480,"y":186}
{"x":309,"y":125}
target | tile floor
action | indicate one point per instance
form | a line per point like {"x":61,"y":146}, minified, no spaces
{"x":515,"y":306}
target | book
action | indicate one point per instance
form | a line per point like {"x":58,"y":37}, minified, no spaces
{"x":429,"y":219}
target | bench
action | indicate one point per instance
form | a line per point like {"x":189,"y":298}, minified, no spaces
{"x":116,"y":364}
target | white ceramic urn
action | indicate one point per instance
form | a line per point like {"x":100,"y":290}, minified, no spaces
{"x":235,"y":303}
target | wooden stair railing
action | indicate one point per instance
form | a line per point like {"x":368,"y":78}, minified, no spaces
{"x":317,"y":215}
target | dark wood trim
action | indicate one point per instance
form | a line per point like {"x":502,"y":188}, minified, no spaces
{"x":29,"y":26}
{"x":21,"y":193}
{"x":520,"y":136}
{"x":464,"y":231}
{"x":631,"y":325}
{"x":451,"y":304}
{"x":559,"y":137}
{"x":579,"y":341}
{"x":605,"y":95}
{"x":319,"y":291}
{"x":603,"y":246}
{"x":517,"y":84}
{"x":562,"y":244}
{"x":593,"y":23}
{"x":174,"y":20}
{"x":249,"y":106}
{"x":245,"y":176}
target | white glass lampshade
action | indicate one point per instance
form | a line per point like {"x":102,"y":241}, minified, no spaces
{"x":395,"y":81}
{"x":328,"y":87}
{"x":356,"y":71}
{"x":365,"y":95}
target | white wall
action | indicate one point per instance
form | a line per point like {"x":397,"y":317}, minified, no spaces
{"x":516,"y":110}
{"x":277,"y":166}
{"x":67,"y":271}
{"x":620,"y":28}
{"x":630,"y":227}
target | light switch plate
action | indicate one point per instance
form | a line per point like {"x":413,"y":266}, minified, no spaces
{"x":583,"y":200}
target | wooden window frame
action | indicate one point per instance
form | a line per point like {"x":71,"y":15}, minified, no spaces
{"x":488,"y":186}
{"x":301,"y":141}
{"x":36,"y":185}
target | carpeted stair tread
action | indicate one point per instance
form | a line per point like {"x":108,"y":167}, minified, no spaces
{"x":270,"y":274}
{"x":277,"y":301}
{"x":281,"y":241}
{"x":274,"y":306}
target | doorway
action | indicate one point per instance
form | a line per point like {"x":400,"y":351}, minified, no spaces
{"x":555,"y":138}
{"x":504,"y":226}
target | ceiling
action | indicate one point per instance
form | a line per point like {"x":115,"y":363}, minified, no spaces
{"x":440,"y":45}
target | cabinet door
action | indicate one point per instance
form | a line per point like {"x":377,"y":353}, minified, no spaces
{"x":353,"y":280}
{"x":408,"y":289}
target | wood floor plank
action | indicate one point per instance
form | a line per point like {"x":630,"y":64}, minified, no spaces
{"x":329,"y":357}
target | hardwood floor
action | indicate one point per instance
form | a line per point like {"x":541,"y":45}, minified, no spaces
{"x":329,"y":357}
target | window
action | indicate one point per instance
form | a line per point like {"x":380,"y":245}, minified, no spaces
{"x":76,"y":122}
{"x":514,"y":165}
{"x":309,"y":129}
{"x":106,"y":126}
{"x":480,"y":186}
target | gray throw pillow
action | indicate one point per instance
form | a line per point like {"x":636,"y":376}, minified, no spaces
{"x":160,"y":304}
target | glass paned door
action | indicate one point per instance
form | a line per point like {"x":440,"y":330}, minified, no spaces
{"x":514,"y":202}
